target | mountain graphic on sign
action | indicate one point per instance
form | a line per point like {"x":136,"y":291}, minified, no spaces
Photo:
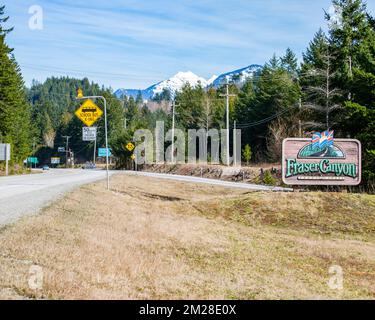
{"x":321,"y":146}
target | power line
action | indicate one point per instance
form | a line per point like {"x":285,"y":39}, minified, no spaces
{"x":259,"y":122}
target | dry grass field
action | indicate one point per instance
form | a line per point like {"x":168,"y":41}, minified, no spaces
{"x":153,"y":239}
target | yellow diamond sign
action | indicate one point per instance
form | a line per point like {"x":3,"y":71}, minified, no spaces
{"x":89,"y":113}
{"x":130,"y":146}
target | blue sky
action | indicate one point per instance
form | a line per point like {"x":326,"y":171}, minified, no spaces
{"x":134,"y":44}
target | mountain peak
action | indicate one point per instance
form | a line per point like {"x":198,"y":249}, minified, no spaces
{"x":176,"y":82}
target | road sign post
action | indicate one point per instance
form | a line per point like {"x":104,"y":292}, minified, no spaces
{"x":92,"y":121}
{"x":5,"y":156}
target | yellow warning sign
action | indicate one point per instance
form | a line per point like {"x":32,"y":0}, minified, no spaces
{"x":130,"y":146}
{"x":133,"y":157}
{"x":79,"y":93}
{"x":89,"y":113}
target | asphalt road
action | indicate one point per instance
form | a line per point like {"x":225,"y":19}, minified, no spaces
{"x":26,"y":194}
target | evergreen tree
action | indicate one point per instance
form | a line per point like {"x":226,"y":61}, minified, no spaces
{"x":349,"y":26}
{"x":276,"y":95}
{"x":289,"y":62}
{"x":190,"y":107}
{"x":321,"y":98}
{"x":132,"y":111}
{"x":15,"y":112}
{"x":246,"y":154}
{"x":139,"y":99}
{"x":352,"y":37}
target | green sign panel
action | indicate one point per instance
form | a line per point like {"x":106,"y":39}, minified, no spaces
{"x":32,"y":160}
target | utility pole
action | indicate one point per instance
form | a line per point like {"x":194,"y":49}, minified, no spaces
{"x":6,"y":159}
{"x":299,"y":121}
{"x":123,"y":108}
{"x":235,"y":144}
{"x":66,"y":149}
{"x":34,"y":144}
{"x":227,"y":95}
{"x":173,"y":125}
{"x":172,"y":150}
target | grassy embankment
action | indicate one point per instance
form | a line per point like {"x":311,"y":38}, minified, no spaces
{"x":166,"y":239}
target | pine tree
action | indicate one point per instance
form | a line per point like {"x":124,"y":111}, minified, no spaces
{"x":274,"y":95}
{"x":246,"y":154}
{"x":317,"y":79}
{"x":139,"y":99}
{"x":190,"y":107}
{"x":131,"y":111}
{"x":352,"y":37}
{"x":289,"y":62}
{"x":348,"y":28}
{"x":15,"y":112}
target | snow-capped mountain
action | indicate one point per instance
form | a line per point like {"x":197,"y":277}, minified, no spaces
{"x":172,"y":84}
{"x":238,"y":77}
{"x":120,"y":93}
{"x":211,"y":80}
{"x":176,"y":82}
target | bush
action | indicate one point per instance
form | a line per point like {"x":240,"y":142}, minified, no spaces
{"x":268,"y":179}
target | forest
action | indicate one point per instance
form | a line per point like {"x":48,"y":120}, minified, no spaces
{"x":332,"y":87}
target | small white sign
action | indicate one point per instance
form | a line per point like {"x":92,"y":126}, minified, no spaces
{"x":4,"y":152}
{"x":55,"y":160}
{"x":89,"y":133}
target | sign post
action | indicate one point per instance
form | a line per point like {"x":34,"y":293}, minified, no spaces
{"x":32,"y":160}
{"x":5,"y":155}
{"x":94,"y":113}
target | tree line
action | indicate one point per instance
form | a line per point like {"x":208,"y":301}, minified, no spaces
{"x":332,"y":88}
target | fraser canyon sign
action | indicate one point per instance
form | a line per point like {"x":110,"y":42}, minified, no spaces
{"x":321,"y":160}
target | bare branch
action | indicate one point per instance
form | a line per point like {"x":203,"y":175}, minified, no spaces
{"x":314,"y":107}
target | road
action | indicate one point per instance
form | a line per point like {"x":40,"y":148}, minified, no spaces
{"x":26,"y":194}
{"x":221,"y":183}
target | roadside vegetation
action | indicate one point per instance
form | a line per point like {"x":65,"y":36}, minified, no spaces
{"x":332,"y":88}
{"x":184,"y":241}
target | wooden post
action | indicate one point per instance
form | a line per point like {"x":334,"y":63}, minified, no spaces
{"x":6,"y":160}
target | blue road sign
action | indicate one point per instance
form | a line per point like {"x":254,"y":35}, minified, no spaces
{"x":102,"y":152}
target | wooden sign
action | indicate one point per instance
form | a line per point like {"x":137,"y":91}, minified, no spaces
{"x":332,"y":162}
